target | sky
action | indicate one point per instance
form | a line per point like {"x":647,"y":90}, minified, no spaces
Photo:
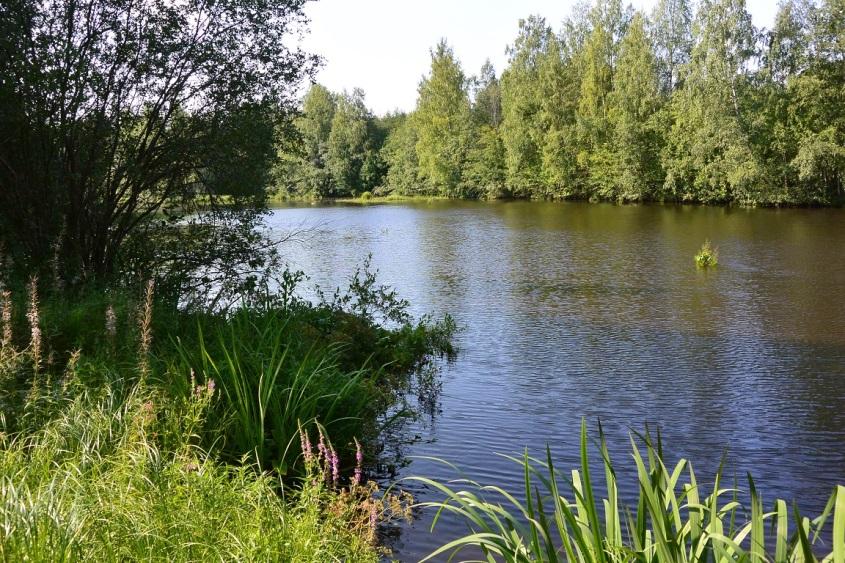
{"x":382,"y":46}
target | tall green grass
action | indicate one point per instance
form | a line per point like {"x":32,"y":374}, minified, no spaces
{"x":96,"y":483}
{"x":677,"y":519}
{"x":272,"y":388}
{"x":133,"y":430}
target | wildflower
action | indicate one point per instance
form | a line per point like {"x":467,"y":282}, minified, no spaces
{"x":335,"y":464}
{"x":359,"y":461}
{"x":70,"y":368}
{"x":373,"y":516}
{"x":6,"y":302}
{"x":306,"y":446}
{"x":35,"y":328}
{"x":321,"y":447}
{"x":210,"y":386}
{"x":147,"y":412}
{"x":145,"y":322}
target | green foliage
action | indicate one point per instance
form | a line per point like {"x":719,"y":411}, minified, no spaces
{"x":271,"y":387}
{"x":96,"y":482}
{"x":707,"y":256}
{"x":119,"y":120}
{"x":685,"y":107}
{"x":400,"y":154}
{"x":443,"y":124}
{"x":634,"y":104}
{"x":676,"y":518}
{"x":340,"y":155}
{"x":672,"y":34}
{"x":132,"y":429}
{"x":521,"y":130}
{"x":347,"y":145}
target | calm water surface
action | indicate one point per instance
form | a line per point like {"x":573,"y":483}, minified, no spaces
{"x":597,"y":311}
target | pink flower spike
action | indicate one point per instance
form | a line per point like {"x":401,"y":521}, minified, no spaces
{"x":359,"y":461}
{"x":335,"y":466}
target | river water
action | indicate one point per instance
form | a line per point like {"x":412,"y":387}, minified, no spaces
{"x":578,"y":311}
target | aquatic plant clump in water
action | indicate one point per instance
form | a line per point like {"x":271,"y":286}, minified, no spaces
{"x":675,"y":519}
{"x":707,"y":256}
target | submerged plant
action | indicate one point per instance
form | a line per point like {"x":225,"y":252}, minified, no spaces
{"x":707,"y":256}
{"x":675,"y":518}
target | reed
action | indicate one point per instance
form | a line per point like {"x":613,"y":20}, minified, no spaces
{"x":676,"y":518}
{"x":271,"y":389}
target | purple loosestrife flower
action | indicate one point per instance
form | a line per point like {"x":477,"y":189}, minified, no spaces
{"x":373,"y":516}
{"x":306,"y":446}
{"x":321,"y":448}
{"x":359,"y":461}
{"x":335,"y":466}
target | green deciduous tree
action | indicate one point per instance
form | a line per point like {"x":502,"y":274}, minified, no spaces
{"x":634,"y":104}
{"x":304,"y":166}
{"x":672,"y":33}
{"x":347,"y":145}
{"x":400,"y":154}
{"x":117,"y":116}
{"x":709,"y":156}
{"x":521,"y":129}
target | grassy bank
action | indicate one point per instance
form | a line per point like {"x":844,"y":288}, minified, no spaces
{"x":135,"y":430}
{"x":363,"y":198}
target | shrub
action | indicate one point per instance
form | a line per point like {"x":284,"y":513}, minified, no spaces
{"x":707,"y":256}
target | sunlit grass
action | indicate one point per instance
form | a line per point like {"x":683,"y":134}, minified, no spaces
{"x":96,"y":484}
{"x":676,"y":519}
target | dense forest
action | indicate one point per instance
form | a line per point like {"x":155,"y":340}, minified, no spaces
{"x":678,"y":105}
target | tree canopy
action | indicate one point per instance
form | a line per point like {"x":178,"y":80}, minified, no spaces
{"x":677,"y":105}
{"x":119,"y":118}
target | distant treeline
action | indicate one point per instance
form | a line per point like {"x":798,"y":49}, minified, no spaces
{"x":615,"y":105}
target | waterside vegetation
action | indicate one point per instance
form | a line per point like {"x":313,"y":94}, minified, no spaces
{"x":132,"y":429}
{"x":676,"y":517}
{"x":679,"y":105}
{"x":707,"y":256}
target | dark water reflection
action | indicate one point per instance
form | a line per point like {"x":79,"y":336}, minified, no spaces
{"x":597,"y":311}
